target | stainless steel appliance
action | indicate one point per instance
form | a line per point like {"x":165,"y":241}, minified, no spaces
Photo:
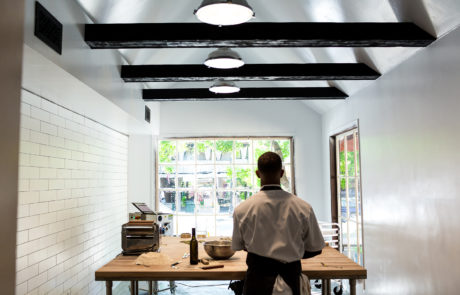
{"x":140,"y":236}
{"x":164,"y":220}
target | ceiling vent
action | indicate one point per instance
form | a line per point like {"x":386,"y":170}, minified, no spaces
{"x":147,"y":114}
{"x":48,"y":28}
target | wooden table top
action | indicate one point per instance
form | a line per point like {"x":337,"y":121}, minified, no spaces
{"x":329,"y":265}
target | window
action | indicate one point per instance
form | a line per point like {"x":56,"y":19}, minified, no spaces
{"x":201,"y":180}
{"x":348,"y":197}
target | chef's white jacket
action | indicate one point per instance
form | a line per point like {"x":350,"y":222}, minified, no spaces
{"x":276,"y":224}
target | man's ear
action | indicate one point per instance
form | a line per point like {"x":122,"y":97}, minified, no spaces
{"x":282,"y":173}
{"x":258,"y":173}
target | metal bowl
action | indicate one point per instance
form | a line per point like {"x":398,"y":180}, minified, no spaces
{"x":219,"y":249}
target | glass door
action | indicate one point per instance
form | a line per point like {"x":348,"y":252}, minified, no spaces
{"x":349,"y":194}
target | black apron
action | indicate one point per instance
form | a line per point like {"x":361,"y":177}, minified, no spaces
{"x":262,"y":271}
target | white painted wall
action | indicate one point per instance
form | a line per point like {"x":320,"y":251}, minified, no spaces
{"x":11,"y":26}
{"x":409,"y":125}
{"x":47,"y":79}
{"x":72,"y":199}
{"x":98,"y":69}
{"x":141,"y":186}
{"x":253,"y":118}
{"x":62,"y":267}
{"x":88,"y":82}
{"x":44,"y":77}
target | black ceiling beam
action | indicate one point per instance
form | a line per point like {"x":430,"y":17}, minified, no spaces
{"x":251,"y":72}
{"x":198,"y":35}
{"x":203,"y":94}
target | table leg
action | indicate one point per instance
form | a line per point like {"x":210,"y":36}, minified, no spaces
{"x":150,"y":283}
{"x":133,"y":288}
{"x":108,"y":287}
{"x":172,"y":287}
{"x":325,"y":287}
{"x":352,"y":287}
{"x":155,"y":287}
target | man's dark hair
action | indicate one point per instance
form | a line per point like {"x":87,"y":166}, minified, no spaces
{"x":269,"y":163}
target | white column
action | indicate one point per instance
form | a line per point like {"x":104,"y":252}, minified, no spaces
{"x":11,"y":32}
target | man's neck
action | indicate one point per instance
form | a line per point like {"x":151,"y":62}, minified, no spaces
{"x":270,"y":187}
{"x":270,"y":182}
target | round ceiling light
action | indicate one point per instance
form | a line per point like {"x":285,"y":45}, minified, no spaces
{"x":224,"y":58}
{"x":224,"y":12}
{"x":224,"y":87}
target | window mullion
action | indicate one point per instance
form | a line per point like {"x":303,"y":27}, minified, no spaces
{"x":233,"y":192}
{"x":347,"y":195}
{"x":215,"y":185}
{"x":194,"y":186}
{"x":358,"y":233}
{"x":176,"y":159}
{"x":339,"y":198}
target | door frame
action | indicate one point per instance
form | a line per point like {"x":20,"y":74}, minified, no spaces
{"x":333,"y":166}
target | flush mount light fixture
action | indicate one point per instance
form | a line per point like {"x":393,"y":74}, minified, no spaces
{"x":224,"y":87}
{"x":224,"y":12}
{"x":224,"y":58}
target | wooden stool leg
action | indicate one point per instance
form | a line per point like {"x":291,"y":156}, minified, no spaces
{"x":108,"y":287}
{"x":352,"y":287}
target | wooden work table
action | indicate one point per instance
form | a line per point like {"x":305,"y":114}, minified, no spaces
{"x":329,"y":265}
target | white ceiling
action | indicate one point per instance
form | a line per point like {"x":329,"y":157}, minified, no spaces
{"x":437,"y":17}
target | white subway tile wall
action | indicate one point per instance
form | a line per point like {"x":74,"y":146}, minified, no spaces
{"x":72,"y":199}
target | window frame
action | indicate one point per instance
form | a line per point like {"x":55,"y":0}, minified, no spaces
{"x":215,"y":214}
{"x":335,"y":187}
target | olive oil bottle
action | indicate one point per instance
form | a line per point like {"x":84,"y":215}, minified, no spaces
{"x":193,"y":248}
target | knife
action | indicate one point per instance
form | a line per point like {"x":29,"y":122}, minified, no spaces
{"x":212,"y":266}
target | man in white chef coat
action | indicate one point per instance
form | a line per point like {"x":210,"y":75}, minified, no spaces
{"x":277,"y":229}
